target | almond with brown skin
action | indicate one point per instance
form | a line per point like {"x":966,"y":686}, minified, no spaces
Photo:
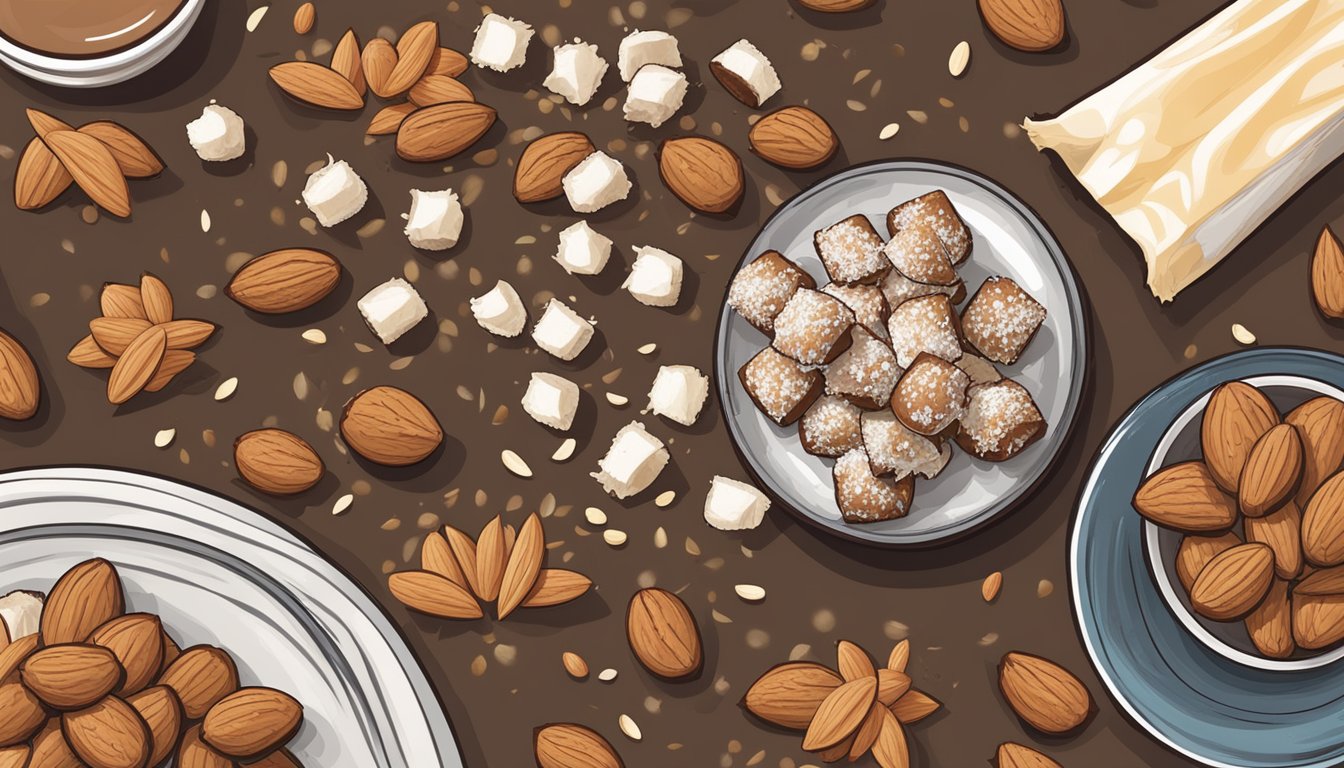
{"x":23,"y":713}
{"x":16,"y":756}
{"x":281,"y":758}
{"x":136,"y":640}
{"x":135,"y":158}
{"x":345,"y":61}
{"x":1318,"y":620}
{"x":174,"y":362}
{"x":109,"y":734}
{"x":1235,"y":418}
{"x":840,"y":714}
{"x":866,"y":736}
{"x":118,"y":300}
{"x":1320,"y":424}
{"x":85,"y":597}
{"x":432,"y":594}
{"x":1045,"y":695}
{"x":899,"y":656}
{"x":914,"y":706}
{"x":14,"y":653}
{"x":171,"y":652}
{"x":490,"y":554}
{"x":525,"y":560}
{"x":378,"y":60}
{"x":44,"y":123}
{"x":156,"y":299}
{"x":390,"y":426}
{"x":544,"y":163}
{"x":835,"y":6}
{"x":663,"y":635}
{"x":439,"y":89}
{"x":789,"y":694}
{"x":1326,"y":581}
{"x":40,"y":177}
{"x":304,"y":18}
{"x":1196,"y":551}
{"x":555,"y":586}
{"x":703,"y":173}
{"x":71,"y":675}
{"x":187,"y":334}
{"x":137,"y":365}
{"x":200,"y":677}
{"x":891,"y":686}
{"x":115,"y":334}
{"x":251,"y":723}
{"x":93,"y":168}
{"x":316,"y":85}
{"x":1327,"y":275}
{"x":1281,"y":531}
{"x":891,"y":749}
{"x":1270,"y":625}
{"x":1272,"y":472}
{"x":437,"y":557}
{"x":431,"y":134}
{"x":1323,"y":523}
{"x":852,"y":661}
{"x":566,"y":745}
{"x":20,"y":392}
{"x":277,"y":462}
{"x":1027,"y":25}
{"x":1185,"y":497}
{"x":1233,"y":583}
{"x":286,"y":280}
{"x":1011,"y":755}
{"x":87,"y":354}
{"x":415,"y":48}
{"x":51,"y":750}
{"x":193,"y":752}
{"x":162,"y":713}
{"x":463,"y":549}
{"x":388,"y":119}
{"x":446,"y":61}
{"x":794,"y":137}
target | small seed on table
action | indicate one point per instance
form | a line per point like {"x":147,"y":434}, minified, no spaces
{"x":990,"y":588}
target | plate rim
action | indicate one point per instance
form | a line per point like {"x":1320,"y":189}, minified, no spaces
{"x":154,"y":482}
{"x":1079,"y":319}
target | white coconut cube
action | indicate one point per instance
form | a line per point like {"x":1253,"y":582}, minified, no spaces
{"x":632,"y":463}
{"x":392,"y":309}
{"x":334,"y":193}
{"x":501,"y":43}
{"x":500,"y":310}
{"x":217,"y":135}
{"x":583,"y":250}
{"x":435,"y":220}
{"x":651,"y":47}
{"x":746,"y":62}
{"x":655,"y":277}
{"x":552,"y":400}
{"x":679,"y":393}
{"x":733,"y":505}
{"x":577,"y":72}
{"x":596,"y":182}
{"x":561,"y":331}
{"x":655,"y":94}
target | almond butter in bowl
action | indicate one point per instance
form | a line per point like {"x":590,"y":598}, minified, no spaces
{"x":1244,"y":503}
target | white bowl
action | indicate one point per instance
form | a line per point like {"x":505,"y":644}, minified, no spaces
{"x":112,"y":68}
{"x":1181,"y":443}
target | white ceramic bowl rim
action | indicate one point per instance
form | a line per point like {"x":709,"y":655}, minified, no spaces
{"x":182,"y":19}
{"x":1152,"y":533}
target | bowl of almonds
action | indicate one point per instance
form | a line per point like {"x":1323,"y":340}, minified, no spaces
{"x":1243,"y":507}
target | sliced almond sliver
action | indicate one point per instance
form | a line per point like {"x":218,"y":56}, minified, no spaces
{"x":93,"y":168}
{"x":525,"y":560}
{"x":490,"y":559}
{"x":156,"y":299}
{"x":345,"y":61}
{"x":137,"y":365}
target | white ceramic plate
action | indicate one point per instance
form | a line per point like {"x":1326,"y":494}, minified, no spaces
{"x":221,"y":574}
{"x":1009,"y":240}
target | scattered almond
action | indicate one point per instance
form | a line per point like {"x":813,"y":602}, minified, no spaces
{"x":1027,"y":25}
{"x":566,"y":745}
{"x":703,"y":173}
{"x":794,"y":137}
{"x":663,"y":634}
{"x":544,"y":163}
{"x":1045,"y":695}
{"x":989,"y":588}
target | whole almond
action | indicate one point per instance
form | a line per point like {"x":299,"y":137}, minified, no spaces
{"x":840,"y":714}
{"x":1326,"y":581}
{"x":835,"y":6}
{"x":525,"y":560}
{"x":1045,"y":695}
{"x":277,"y":462}
{"x":490,"y":554}
{"x":566,"y":745}
{"x":390,"y":426}
{"x":40,"y":177}
{"x":171,"y":652}
{"x":200,"y":677}
{"x":16,"y":756}
{"x":1320,"y":424}
{"x":1234,"y":582}
{"x":378,"y":60}
{"x":555,"y":586}
{"x":891,"y":686}
{"x":72,"y":675}
{"x":135,"y":158}
{"x":574,"y":665}
{"x":156,"y":299}
{"x":914,"y":706}
{"x":93,"y":168}
{"x":1235,"y":418}
{"x":789,"y":694}
{"x":388,"y":119}
{"x":1185,"y":497}
{"x":439,"y":89}
{"x":20,"y":392}
{"x":1327,"y":275}
{"x":86,"y":597}
{"x":1323,"y":523}
{"x":174,"y":362}
{"x":663,"y":634}
{"x":304,"y":18}
{"x":852,"y":661}
{"x":314,"y":84}
{"x":1027,"y":25}
{"x":794,"y":137}
{"x":1270,"y":625}
{"x":109,"y":734}
{"x":1272,"y":472}
{"x":891,"y":750}
{"x":14,"y":654}
{"x":50,"y":749}
{"x":437,"y":557}
{"x":136,"y":640}
{"x":251,"y":723}
{"x":137,"y":365}
{"x":415,"y":48}
{"x":345,"y":61}
{"x":446,"y":61}
{"x":23,"y":713}
{"x":193,"y":752}
{"x":115,"y":334}
{"x":866,"y":736}
{"x":544,"y":163}
{"x":431,"y":134}
{"x":432,"y":594}
{"x":1281,"y":531}
{"x":118,"y":300}
{"x":281,"y":758}
{"x":87,"y":354}
{"x":463,"y":549}
{"x":1011,"y":755}
{"x":187,"y":333}
{"x":1318,"y":620}
{"x":286,"y":280}
{"x":43,"y":123}
{"x":899,"y":657}
{"x":703,"y":173}
{"x":162,"y":713}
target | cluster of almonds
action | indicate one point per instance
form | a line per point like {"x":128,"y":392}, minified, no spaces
{"x":83,"y":683}
{"x":138,"y":339}
{"x":1278,"y":480}
{"x":97,"y":157}
{"x":502,"y":565}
